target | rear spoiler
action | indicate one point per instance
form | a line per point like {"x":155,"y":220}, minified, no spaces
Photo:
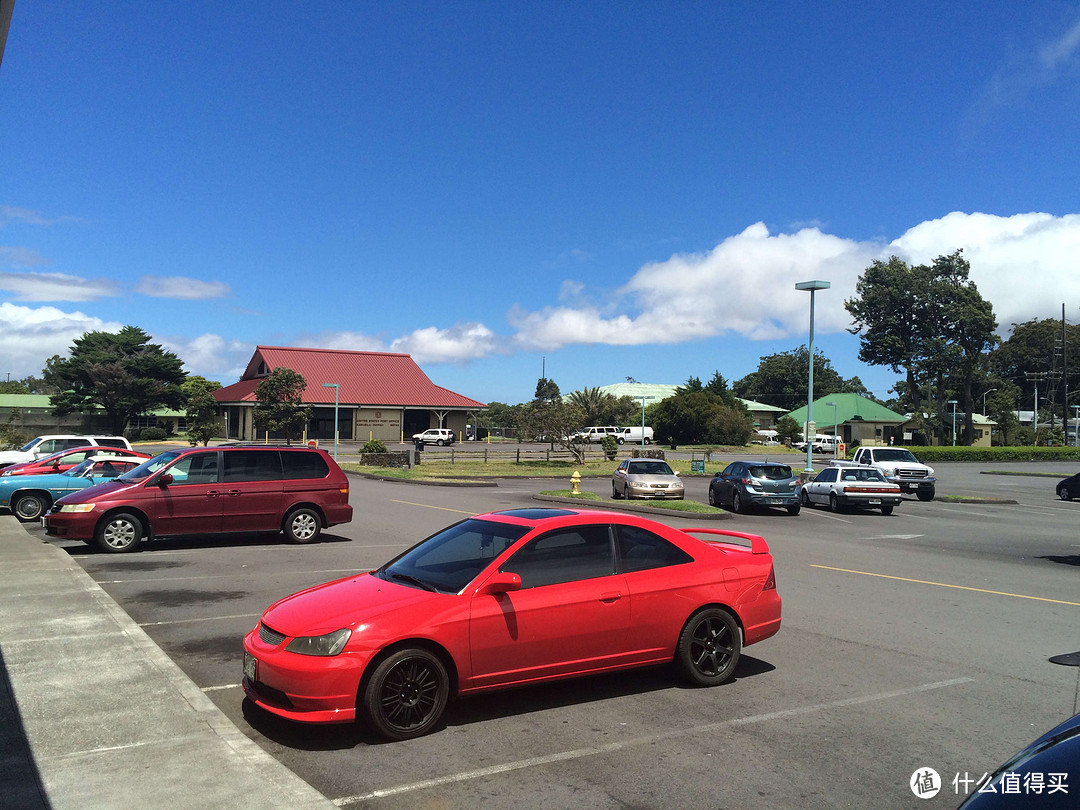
{"x":757,"y":542}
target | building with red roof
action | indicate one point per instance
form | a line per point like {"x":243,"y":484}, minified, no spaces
{"x":380,"y":395}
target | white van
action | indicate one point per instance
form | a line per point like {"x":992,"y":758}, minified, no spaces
{"x":635,"y":435}
{"x":596,"y":434}
{"x":47,"y":445}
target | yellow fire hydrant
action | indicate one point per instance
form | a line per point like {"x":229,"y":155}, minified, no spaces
{"x":575,"y":483}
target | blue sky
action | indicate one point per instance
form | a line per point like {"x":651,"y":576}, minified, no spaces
{"x":603,"y":190}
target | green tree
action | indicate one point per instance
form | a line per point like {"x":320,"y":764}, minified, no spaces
{"x":123,"y":373}
{"x":781,"y":378}
{"x":929,"y":322}
{"x":279,"y":407}
{"x":699,"y":417}
{"x":788,"y":430}
{"x":203,"y":412}
{"x":591,"y":402}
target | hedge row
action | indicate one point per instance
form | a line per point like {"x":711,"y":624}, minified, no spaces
{"x":983,"y":454}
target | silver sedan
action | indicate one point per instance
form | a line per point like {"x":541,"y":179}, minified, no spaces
{"x":646,"y":478}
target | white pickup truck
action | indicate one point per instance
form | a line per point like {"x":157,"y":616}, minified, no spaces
{"x":899,"y":466}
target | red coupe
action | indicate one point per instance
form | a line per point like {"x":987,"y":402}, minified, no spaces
{"x":511,"y":598}
{"x":65,"y":460}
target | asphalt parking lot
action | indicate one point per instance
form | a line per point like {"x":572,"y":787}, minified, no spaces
{"x":915,"y":640}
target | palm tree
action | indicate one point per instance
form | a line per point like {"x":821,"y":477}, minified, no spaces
{"x":591,"y":401}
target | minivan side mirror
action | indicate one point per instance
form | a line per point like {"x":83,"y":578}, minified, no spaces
{"x":165,"y":480}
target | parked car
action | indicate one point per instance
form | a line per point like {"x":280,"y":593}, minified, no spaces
{"x":744,"y":484}
{"x":596,"y":434}
{"x":47,"y":445}
{"x":28,"y":497}
{"x":900,"y":466}
{"x":634,"y":435}
{"x":439,"y":436}
{"x":209,"y":490}
{"x":1036,"y":777}
{"x":505,"y":599}
{"x":646,"y":478}
{"x":1069,"y":488}
{"x":66,"y":459}
{"x":848,"y":486}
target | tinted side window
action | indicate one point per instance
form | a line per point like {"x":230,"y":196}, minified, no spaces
{"x":68,"y":444}
{"x":111,"y":443}
{"x":251,"y":465}
{"x":197,"y":468}
{"x":304,"y":464}
{"x":641,"y":550}
{"x":566,"y":555}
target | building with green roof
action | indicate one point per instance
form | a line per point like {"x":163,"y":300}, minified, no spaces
{"x":857,"y":419}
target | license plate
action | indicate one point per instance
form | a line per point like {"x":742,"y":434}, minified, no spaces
{"x":250,"y":667}
{"x":776,"y":501}
{"x":875,"y":501}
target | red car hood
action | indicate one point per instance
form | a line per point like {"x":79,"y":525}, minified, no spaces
{"x":345,"y":602}
{"x":96,"y":492}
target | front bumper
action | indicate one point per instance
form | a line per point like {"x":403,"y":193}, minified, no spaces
{"x":72,"y":525}
{"x":305,"y":688}
{"x":648,"y":493}
{"x":913,"y":484}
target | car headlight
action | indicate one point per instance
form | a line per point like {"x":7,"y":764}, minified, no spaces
{"x":76,"y":507}
{"x":330,"y":644}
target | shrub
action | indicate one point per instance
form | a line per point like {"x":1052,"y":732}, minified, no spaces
{"x":611,"y":447}
{"x":152,"y":434}
{"x":373,"y":446}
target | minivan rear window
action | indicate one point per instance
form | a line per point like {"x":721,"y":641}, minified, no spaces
{"x":303,"y":464}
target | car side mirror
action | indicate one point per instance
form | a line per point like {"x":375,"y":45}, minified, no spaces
{"x":502,"y":582}
{"x":165,"y":480}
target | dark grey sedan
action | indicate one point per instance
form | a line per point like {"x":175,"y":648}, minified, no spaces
{"x":745,"y":484}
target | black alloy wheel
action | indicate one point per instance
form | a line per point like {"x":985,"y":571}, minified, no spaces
{"x":406,"y":694}
{"x":709,"y":647}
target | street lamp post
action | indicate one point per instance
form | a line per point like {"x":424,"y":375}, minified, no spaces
{"x":337,"y":389}
{"x":992,"y":390}
{"x":1076,"y":424}
{"x":812,"y":287}
{"x":953,"y":403}
{"x":835,"y":442}
{"x":643,"y":398}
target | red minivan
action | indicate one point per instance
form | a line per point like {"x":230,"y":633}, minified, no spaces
{"x":209,"y":490}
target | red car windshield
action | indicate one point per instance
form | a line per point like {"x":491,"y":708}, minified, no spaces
{"x":451,"y":559}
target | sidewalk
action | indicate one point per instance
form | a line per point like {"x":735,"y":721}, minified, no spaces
{"x":94,"y":715}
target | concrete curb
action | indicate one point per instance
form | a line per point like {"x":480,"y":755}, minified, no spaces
{"x":98,"y":716}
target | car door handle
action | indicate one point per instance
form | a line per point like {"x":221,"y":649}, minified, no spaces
{"x":613,"y":596}
{"x":234,"y":492}
{"x":212,"y":493}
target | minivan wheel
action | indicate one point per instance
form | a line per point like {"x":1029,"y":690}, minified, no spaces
{"x":302,"y":526}
{"x":30,"y":507}
{"x":119,"y":533}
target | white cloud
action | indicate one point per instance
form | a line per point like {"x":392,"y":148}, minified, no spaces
{"x":10,"y":213}
{"x":11,"y":256}
{"x":211,"y":356}
{"x":1025,"y":265}
{"x":29,"y":336}
{"x":182,"y":288}
{"x":55,"y":287}
{"x":344,"y":340}
{"x":458,"y":344}
{"x":744,"y":286}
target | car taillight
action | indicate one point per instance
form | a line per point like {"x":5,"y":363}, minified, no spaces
{"x":770,"y":581}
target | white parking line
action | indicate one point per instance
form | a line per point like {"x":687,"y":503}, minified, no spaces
{"x":581,"y":753}
{"x":219,"y":688}
{"x":201,"y":619}
{"x":233,"y":575}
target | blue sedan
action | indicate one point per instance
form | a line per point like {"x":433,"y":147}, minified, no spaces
{"x":29,"y":497}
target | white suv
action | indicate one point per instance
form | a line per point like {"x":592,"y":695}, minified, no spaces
{"x":439,"y":436}
{"x":47,"y":445}
{"x":596,"y":434}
